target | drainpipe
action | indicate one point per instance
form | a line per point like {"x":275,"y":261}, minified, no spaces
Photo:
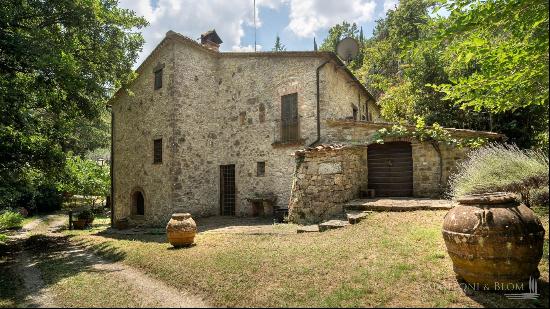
{"x":110,"y":108}
{"x":318,"y":104}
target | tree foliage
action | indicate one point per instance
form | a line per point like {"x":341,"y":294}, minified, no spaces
{"x":496,"y":53}
{"x":278,"y":45}
{"x":483,"y":66}
{"x":60,"y":61}
{"x":342,"y":31}
{"x":85,"y":177}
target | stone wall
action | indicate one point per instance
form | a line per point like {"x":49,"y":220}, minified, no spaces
{"x":339,"y":95}
{"x":213,"y":109}
{"x":140,"y":118}
{"x":328,"y":176}
{"x":325,"y":178}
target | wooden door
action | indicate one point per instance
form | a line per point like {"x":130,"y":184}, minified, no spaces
{"x":390,"y":169}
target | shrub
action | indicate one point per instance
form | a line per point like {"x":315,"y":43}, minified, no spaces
{"x":539,"y":197}
{"x":86,"y":215}
{"x":498,"y":167}
{"x":10,"y":220}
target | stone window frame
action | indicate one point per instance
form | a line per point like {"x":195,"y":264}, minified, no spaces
{"x":260,"y":168}
{"x":157,"y":76}
{"x":157,"y":159}
{"x":355,"y":112}
{"x":292,"y":139}
{"x":133,"y":211}
{"x":286,"y":88}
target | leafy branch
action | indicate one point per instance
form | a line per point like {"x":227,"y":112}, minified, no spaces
{"x":423,"y":133}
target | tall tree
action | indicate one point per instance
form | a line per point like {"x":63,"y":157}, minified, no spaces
{"x":420,"y":64}
{"x":60,"y":61}
{"x":339,"y":32}
{"x":497,"y":53}
{"x":278,"y":45}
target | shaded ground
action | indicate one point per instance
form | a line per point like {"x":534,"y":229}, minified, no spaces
{"x":389,"y":259}
{"x":399,"y":204}
{"x":48,"y":270}
{"x":216,"y":224}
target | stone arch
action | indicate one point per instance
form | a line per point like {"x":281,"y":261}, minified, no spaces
{"x":137,"y":207}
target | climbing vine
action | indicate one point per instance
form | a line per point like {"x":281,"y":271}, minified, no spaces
{"x":423,"y":133}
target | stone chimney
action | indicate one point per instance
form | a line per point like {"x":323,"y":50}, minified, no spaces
{"x":211,"y":40}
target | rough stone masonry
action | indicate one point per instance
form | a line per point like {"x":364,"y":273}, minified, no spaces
{"x":221,"y":109}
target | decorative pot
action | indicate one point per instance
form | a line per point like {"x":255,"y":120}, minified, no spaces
{"x":493,"y":240}
{"x":80,"y":224}
{"x":181,"y":230}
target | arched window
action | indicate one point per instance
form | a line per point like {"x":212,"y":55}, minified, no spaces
{"x":138,"y":204}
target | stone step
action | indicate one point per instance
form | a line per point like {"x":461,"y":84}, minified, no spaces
{"x":355,"y":217}
{"x":397,"y":204}
{"x":332,"y":224}
{"x":308,"y":229}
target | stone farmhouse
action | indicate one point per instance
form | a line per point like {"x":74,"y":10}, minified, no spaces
{"x":223,"y":133}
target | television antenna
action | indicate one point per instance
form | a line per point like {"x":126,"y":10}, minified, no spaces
{"x":347,"y":49}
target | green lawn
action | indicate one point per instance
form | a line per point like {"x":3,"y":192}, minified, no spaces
{"x":390,"y":259}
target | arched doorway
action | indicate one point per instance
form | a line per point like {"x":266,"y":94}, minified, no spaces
{"x":390,"y":169}
{"x":138,"y":204}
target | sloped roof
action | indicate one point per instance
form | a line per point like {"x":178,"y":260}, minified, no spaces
{"x":331,"y":56}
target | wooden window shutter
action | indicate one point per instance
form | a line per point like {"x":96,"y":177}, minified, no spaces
{"x":289,"y":118}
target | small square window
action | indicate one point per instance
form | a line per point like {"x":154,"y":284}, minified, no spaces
{"x":157,"y":151}
{"x":260,"y":169}
{"x":158,"y":79}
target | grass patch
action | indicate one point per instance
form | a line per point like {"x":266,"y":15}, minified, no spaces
{"x":75,"y":283}
{"x":389,"y":259}
{"x":10,"y":220}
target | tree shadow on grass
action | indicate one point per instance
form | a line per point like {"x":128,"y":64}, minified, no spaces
{"x":51,"y":259}
{"x":498,"y":299}
{"x":215,"y":224}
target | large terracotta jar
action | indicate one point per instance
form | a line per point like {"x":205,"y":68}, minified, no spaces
{"x":181,"y":230}
{"x":493,"y":240}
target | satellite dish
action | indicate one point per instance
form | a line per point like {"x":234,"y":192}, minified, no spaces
{"x":347,"y":49}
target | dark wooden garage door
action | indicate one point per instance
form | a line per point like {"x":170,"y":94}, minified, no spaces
{"x":390,"y":169}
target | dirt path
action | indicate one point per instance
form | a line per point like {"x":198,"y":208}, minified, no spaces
{"x":149,"y":291}
{"x":37,"y":293}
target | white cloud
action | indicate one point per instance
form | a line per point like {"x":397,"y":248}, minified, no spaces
{"x":191,"y":18}
{"x":309,"y":16}
{"x":247,"y":48}
{"x":389,"y":5}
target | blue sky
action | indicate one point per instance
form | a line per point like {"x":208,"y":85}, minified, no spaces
{"x":297,"y":22}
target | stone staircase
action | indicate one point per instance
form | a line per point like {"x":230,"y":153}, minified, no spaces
{"x":352,"y":217}
{"x":357,"y":210}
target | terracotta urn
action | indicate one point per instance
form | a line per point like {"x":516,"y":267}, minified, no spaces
{"x":493,"y":240}
{"x":181,"y":230}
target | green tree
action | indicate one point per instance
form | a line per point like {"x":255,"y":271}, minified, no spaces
{"x":496,"y":53}
{"x":60,"y":61}
{"x":85,"y":177}
{"x":409,"y":53}
{"x":339,"y":32}
{"x":278,"y":45}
